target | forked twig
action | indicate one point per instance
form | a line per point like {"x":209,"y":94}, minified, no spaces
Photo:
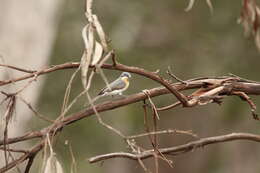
{"x":246,"y":98}
{"x":169,"y":72}
{"x":180,"y":149}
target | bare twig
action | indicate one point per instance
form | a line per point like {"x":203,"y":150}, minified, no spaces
{"x":41,"y":72}
{"x":169,"y":72}
{"x":181,"y":148}
{"x":37,"y":114}
{"x":73,"y":167}
{"x":17,"y":68}
{"x":14,"y":150}
{"x":170,"y":106}
{"x":245,"y":97}
{"x":168,"y":131}
{"x":152,"y":104}
{"x":7,"y":117}
{"x":21,"y":159}
{"x":67,"y":92}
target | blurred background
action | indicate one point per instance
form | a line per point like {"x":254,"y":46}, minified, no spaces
{"x":152,"y":35}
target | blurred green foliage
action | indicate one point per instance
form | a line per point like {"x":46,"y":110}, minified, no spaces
{"x":155,"y":35}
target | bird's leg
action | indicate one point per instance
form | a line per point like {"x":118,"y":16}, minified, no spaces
{"x":121,"y":95}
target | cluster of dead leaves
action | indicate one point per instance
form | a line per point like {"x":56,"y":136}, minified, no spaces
{"x":249,"y":19}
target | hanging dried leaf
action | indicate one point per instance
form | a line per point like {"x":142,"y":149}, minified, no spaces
{"x":84,"y":69}
{"x":191,"y":3}
{"x":210,"y":6}
{"x":256,"y":28}
{"x":84,"y":36}
{"x":257,"y":39}
{"x":88,"y":38}
{"x":53,"y":165}
{"x":247,"y":16}
{"x":249,"y":19}
{"x":100,"y":33}
{"x":97,"y":53}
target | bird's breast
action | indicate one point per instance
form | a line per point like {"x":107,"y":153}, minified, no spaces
{"x":126,"y":81}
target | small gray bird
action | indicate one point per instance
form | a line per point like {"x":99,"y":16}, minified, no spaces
{"x":117,"y":86}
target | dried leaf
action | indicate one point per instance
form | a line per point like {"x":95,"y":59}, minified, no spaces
{"x":257,"y":39}
{"x":256,"y":21}
{"x":246,"y":26}
{"x":100,"y":33}
{"x":84,"y":69}
{"x":250,"y":20}
{"x":88,"y":11}
{"x":210,"y":6}
{"x":97,"y":53}
{"x":53,"y":165}
{"x":190,"y":5}
{"x":88,"y":37}
{"x":84,"y":36}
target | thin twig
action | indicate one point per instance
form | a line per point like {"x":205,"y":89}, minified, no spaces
{"x":17,"y":68}
{"x":73,"y":168}
{"x":14,"y":150}
{"x":67,"y":92}
{"x":13,"y":159}
{"x":21,"y":159}
{"x":168,"y":131}
{"x":169,"y":72}
{"x":37,"y":114}
{"x":169,"y":106}
{"x":245,"y":97}
{"x":7,"y":117}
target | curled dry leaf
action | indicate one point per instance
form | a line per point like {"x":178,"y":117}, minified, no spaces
{"x":53,"y":165}
{"x":84,"y":35}
{"x":247,"y":16}
{"x":88,"y":38}
{"x":190,"y":5}
{"x":100,"y":33}
{"x":97,"y":53}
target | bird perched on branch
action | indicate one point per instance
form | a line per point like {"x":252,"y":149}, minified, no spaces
{"x":117,"y":86}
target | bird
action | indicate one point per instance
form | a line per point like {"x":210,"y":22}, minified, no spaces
{"x":117,"y":86}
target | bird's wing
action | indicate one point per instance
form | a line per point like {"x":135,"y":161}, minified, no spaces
{"x":116,"y":85}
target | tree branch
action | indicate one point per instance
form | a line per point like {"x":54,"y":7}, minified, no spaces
{"x":248,"y":88}
{"x":208,"y":86}
{"x":191,"y":146}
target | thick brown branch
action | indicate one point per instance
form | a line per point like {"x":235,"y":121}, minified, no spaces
{"x":109,"y":105}
{"x":40,"y":72}
{"x":246,"y":86}
{"x":181,"y":148}
{"x":116,"y":66}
